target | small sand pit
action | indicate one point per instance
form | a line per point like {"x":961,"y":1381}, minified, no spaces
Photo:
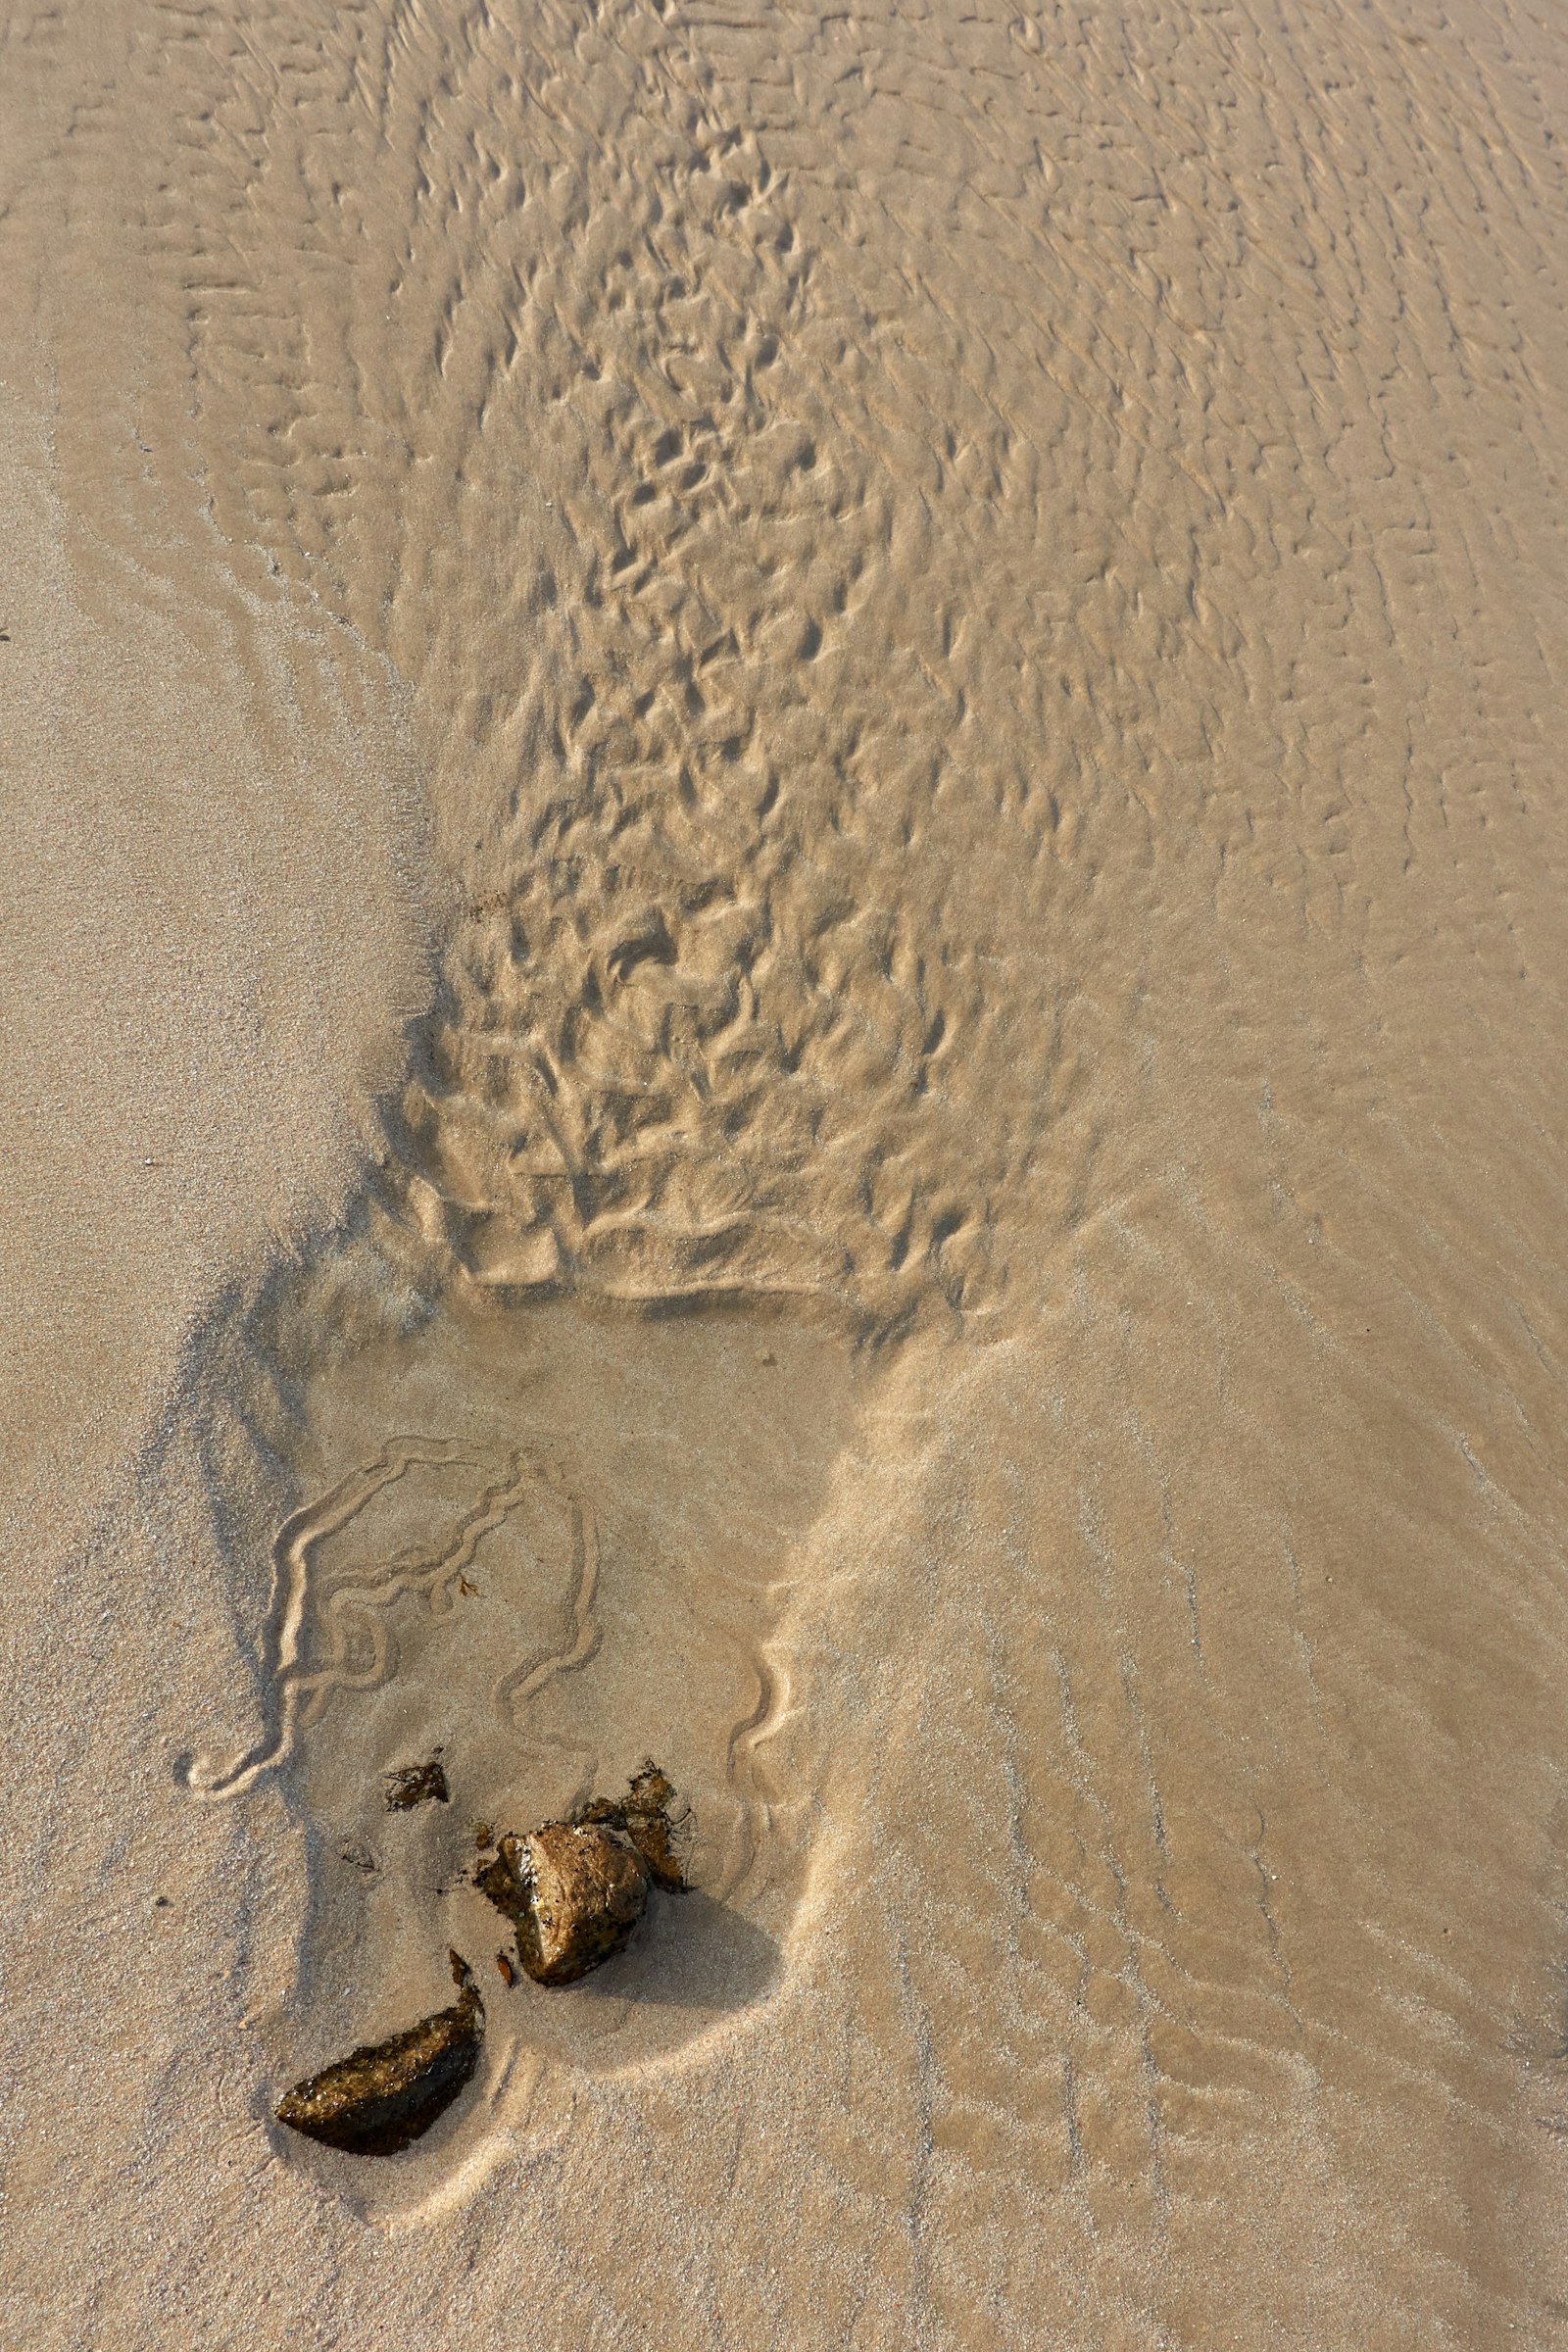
{"x":575,"y":1890}
{"x":385,"y":2095}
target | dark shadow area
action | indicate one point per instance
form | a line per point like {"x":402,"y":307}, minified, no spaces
{"x":691,"y":1952}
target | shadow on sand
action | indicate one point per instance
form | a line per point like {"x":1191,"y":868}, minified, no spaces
{"x":691,"y":1952}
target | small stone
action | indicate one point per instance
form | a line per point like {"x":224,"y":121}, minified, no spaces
{"x":382,"y":2096}
{"x":658,"y":1825}
{"x":415,"y":1784}
{"x":575,"y":1890}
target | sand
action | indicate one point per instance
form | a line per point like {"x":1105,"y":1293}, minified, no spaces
{"x":783,"y":966}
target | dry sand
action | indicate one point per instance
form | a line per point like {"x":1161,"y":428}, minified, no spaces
{"x":783,"y":954}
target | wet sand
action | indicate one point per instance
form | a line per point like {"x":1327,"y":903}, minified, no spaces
{"x":783,"y":970}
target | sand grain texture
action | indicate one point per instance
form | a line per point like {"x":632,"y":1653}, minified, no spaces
{"x":802,"y":765}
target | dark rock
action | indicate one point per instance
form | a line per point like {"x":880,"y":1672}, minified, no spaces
{"x":382,"y":2096}
{"x":654,"y":1820}
{"x":658,"y":1825}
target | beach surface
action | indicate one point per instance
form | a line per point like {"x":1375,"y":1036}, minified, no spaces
{"x":782,"y":967}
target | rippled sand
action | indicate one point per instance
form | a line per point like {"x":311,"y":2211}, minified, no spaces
{"x":783,"y":965}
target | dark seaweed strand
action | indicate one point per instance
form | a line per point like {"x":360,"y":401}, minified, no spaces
{"x":416,"y":1785}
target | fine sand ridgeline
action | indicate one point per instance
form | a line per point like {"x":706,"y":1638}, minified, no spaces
{"x":786,"y":989}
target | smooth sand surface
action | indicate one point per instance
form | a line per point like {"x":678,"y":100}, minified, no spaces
{"x":783,"y":950}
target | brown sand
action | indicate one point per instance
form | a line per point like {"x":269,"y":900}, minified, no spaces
{"x":783,"y":976}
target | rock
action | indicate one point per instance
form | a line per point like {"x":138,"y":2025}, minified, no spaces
{"x":415,"y":1784}
{"x":575,"y":1890}
{"x":658,"y":1825}
{"x":654,"y":1821}
{"x":382,"y":2096}
{"x":574,"y":1893}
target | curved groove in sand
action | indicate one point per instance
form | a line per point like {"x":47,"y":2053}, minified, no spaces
{"x":362,"y":1608}
{"x":774,"y":1703}
{"x":517,"y":1689}
{"x":355,"y":1614}
{"x":299,"y":1536}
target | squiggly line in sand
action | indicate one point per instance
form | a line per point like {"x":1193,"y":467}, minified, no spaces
{"x":354,"y":1609}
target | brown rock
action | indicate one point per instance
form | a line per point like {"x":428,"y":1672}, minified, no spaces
{"x":574,"y":1890}
{"x":383,"y":2095}
{"x":653,"y":1819}
{"x":658,"y":1825}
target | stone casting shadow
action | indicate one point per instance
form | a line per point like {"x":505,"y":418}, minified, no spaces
{"x":692,"y":1952}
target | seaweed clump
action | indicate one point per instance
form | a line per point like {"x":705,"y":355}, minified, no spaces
{"x":416,"y":1785}
{"x":385,"y":2095}
{"x":654,"y":1821}
{"x":575,"y":1890}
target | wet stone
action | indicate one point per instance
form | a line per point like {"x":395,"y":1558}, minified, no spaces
{"x":659,"y":1826}
{"x":574,"y":1893}
{"x":575,"y":1890}
{"x":385,"y":2095}
{"x":652,"y":1819}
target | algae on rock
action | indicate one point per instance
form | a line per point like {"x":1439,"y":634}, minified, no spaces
{"x":385,"y":2095}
